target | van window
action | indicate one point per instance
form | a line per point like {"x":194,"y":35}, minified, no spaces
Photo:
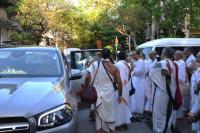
{"x":160,"y":49}
{"x":146,"y":51}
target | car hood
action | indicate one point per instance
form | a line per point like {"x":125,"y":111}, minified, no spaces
{"x":27,"y":97}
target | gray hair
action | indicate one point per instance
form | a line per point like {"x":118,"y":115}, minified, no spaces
{"x":179,"y":54}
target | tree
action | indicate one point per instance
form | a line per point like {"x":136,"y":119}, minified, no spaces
{"x":127,"y":17}
{"x":31,"y":18}
{"x":8,"y":2}
{"x":171,"y":14}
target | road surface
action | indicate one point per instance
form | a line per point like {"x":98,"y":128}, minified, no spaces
{"x":86,"y":126}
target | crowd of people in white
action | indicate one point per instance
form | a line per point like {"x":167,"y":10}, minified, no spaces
{"x":156,"y":84}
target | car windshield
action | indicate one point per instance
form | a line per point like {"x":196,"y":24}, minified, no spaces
{"x":27,"y":63}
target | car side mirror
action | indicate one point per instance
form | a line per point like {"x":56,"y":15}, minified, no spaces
{"x":76,"y":74}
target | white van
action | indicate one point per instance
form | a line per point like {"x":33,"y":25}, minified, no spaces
{"x":176,"y":43}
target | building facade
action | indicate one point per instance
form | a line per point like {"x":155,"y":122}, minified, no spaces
{"x":8,"y":24}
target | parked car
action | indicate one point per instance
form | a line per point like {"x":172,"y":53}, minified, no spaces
{"x":176,"y":43}
{"x":35,"y":91}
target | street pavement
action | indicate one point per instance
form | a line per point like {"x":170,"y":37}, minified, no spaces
{"x":86,"y":126}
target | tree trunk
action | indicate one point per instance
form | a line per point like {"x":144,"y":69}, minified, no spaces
{"x":133,"y":35}
{"x":153,"y":28}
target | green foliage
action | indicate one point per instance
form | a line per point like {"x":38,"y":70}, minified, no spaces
{"x":22,"y":38}
{"x":171,"y":14}
{"x":81,"y":25}
{"x":8,"y":2}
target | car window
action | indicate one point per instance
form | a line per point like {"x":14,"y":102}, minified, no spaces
{"x":29,"y":63}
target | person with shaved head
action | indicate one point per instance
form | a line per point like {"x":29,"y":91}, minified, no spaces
{"x":190,"y":60}
{"x":183,"y":83}
{"x":102,"y":74}
{"x":149,"y":90}
{"x":194,"y":89}
{"x":138,"y":80}
{"x":164,"y":75}
{"x":194,"y":78}
{"x":123,"y":109}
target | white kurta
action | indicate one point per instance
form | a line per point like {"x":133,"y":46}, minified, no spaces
{"x":123,"y":110}
{"x":138,"y":76}
{"x":149,"y":89}
{"x":161,"y":98}
{"x":105,"y":117}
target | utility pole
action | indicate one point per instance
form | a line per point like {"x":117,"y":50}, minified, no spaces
{"x":116,"y":43}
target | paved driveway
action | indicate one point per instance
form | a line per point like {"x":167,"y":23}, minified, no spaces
{"x":86,"y":126}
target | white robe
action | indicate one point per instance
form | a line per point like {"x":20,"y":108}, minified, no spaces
{"x":195,"y":109}
{"x":194,"y":79}
{"x":182,"y":78}
{"x":105,"y":117}
{"x":189,"y":62}
{"x":138,"y":77}
{"x":149,"y":89}
{"x":123,"y":110}
{"x":161,"y":97}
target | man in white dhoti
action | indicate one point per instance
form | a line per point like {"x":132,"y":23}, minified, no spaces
{"x":195,"y":114}
{"x":138,"y":80}
{"x":190,"y":60}
{"x":194,"y":79}
{"x":149,"y":89}
{"x":89,"y":61}
{"x":164,"y":76}
{"x":195,"y":105}
{"x":123,"y":109}
{"x":183,"y":84}
{"x":105,"y":110}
